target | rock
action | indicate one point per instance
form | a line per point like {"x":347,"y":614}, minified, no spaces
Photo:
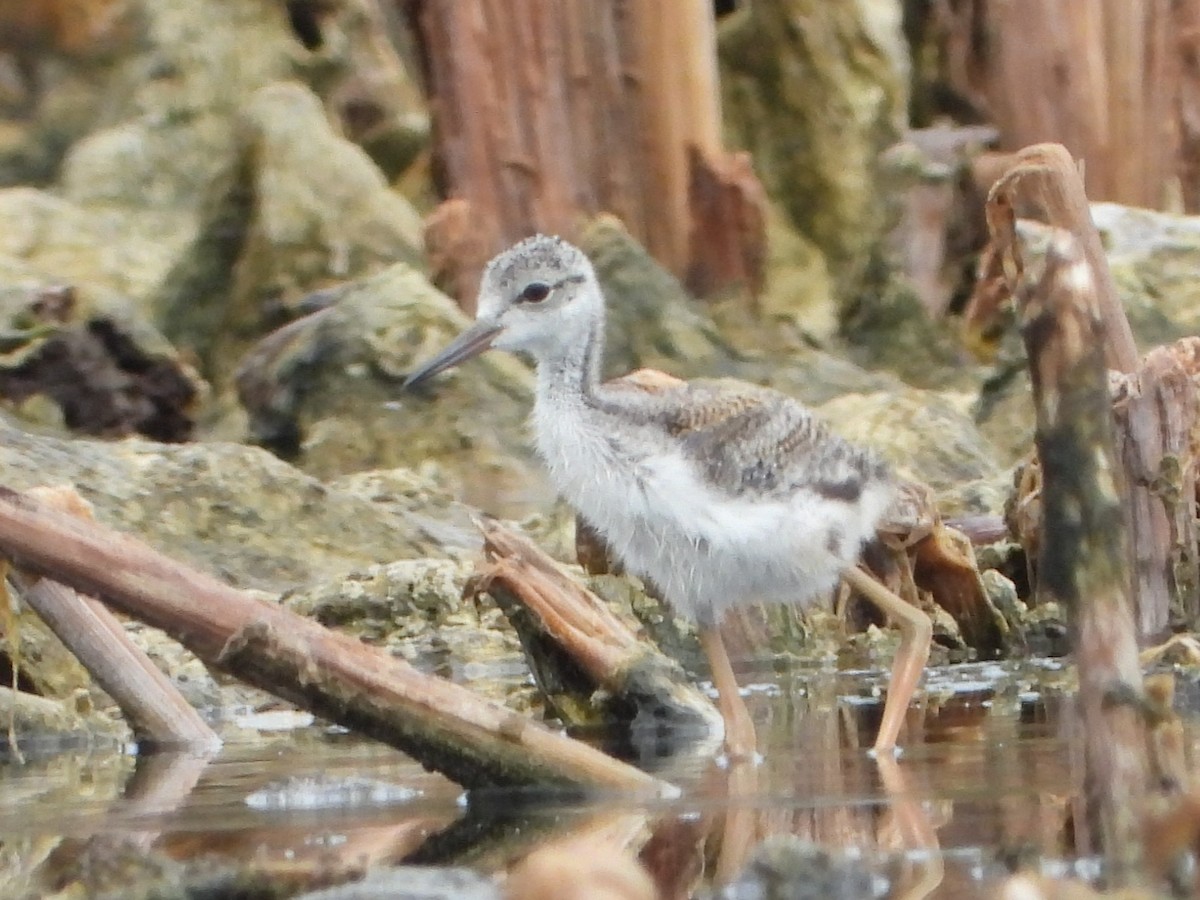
{"x":234,"y":511}
{"x":308,"y":210}
{"x":413,"y":883}
{"x":326,"y":390}
{"x":926,"y":436}
{"x":1153,"y":257}
{"x":784,"y":867}
{"x":652,"y":321}
{"x":415,"y":609}
{"x":198,"y":117}
{"x":45,"y":724}
{"x":48,"y":237}
{"x":103,"y":371}
{"x":816,"y":93}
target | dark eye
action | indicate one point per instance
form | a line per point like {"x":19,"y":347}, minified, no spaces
{"x":534,"y":293}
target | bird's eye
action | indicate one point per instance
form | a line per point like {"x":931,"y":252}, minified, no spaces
{"x":534,"y":293}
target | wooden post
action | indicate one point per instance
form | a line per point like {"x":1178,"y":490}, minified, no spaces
{"x":1084,"y":555}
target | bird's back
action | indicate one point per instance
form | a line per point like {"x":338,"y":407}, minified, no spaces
{"x":756,"y":442}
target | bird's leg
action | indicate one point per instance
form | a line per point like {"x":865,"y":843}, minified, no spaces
{"x":916,"y":634}
{"x":740,"y":741}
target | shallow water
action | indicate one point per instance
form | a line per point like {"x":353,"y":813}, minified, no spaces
{"x":985,"y":780}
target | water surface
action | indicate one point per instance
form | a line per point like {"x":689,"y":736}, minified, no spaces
{"x":985,"y":783}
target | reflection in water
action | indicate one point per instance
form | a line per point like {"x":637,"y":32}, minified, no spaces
{"x":985,"y":782}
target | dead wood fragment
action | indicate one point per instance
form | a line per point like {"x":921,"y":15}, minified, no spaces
{"x":941,"y":226}
{"x":929,"y":560}
{"x":944,"y":565}
{"x":444,"y":726}
{"x":1156,"y":411}
{"x":1157,"y":415}
{"x":575,"y":644}
{"x":725,"y":199}
{"x":1084,"y":553}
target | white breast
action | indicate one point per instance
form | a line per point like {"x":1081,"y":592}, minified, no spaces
{"x":704,"y":550}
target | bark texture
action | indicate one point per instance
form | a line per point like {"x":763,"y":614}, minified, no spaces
{"x":549,"y":113}
{"x":1116,"y":82}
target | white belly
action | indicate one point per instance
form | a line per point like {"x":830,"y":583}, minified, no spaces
{"x":705,"y":551}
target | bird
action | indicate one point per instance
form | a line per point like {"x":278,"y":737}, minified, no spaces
{"x":720,"y":493}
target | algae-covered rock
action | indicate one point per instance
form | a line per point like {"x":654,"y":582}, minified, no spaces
{"x":57,"y":239}
{"x":1154,"y":258}
{"x":415,"y":609}
{"x":327,"y":390}
{"x":652,"y":321}
{"x":926,"y":436}
{"x":816,"y":91}
{"x":298,"y":209}
{"x":786,"y":867}
{"x":237,"y":512}
{"x":199,"y":105}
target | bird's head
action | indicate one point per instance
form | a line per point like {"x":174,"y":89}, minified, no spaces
{"x":538,"y":296}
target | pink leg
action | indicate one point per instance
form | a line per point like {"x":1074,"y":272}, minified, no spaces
{"x":740,"y":740}
{"x":916,"y":634}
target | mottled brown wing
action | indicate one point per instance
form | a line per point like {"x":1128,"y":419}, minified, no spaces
{"x":753,"y":440}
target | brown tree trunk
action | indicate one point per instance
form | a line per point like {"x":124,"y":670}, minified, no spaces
{"x":1114,"y":81}
{"x":546,"y":114}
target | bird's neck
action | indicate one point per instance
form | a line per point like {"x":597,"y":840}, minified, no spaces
{"x":571,"y":373}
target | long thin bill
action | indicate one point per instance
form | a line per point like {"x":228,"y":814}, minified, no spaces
{"x":470,"y":343}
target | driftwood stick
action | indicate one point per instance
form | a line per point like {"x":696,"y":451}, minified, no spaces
{"x":444,"y":726}
{"x":575,"y":644}
{"x":152,"y":705}
{"x":1084,"y":559}
{"x":154,"y":708}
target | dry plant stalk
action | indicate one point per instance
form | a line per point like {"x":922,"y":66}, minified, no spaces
{"x":548,"y":114}
{"x":474,"y":741}
{"x":575,"y":644}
